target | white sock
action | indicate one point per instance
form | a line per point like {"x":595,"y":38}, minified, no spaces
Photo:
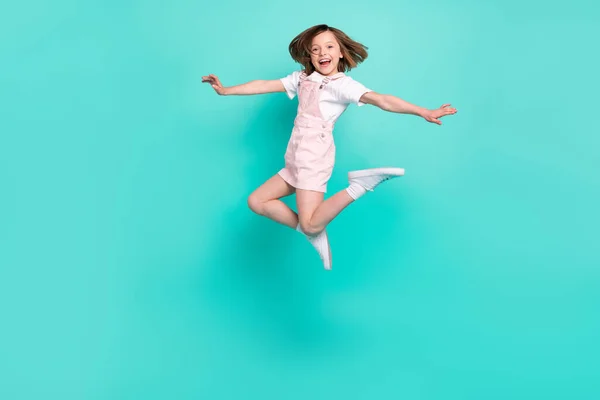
{"x":355,"y":190}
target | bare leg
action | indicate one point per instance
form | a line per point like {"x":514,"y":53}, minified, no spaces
{"x":264,"y":201}
{"x":314,"y":213}
{"x":308,"y":201}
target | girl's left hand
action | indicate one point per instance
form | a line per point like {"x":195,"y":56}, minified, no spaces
{"x":434,"y":115}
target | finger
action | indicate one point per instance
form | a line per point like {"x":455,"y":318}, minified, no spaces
{"x":445,"y":105}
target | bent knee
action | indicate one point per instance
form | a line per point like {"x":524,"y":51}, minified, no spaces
{"x":310,"y":229}
{"x":255,"y":204}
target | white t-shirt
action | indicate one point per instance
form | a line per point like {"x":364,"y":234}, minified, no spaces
{"x":335,"y":96}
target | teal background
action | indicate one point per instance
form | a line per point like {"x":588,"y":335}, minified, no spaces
{"x":131,"y":267}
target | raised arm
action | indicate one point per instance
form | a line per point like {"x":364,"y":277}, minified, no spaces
{"x":252,"y":87}
{"x":395,"y":104}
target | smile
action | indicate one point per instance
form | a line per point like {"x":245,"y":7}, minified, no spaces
{"x":325,"y":62}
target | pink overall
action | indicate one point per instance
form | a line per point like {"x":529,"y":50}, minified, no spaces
{"x":310,"y":153}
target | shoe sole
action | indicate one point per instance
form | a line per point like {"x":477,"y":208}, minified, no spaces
{"x":376,"y":171}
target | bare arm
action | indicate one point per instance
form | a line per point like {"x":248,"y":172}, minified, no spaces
{"x":395,"y":104}
{"x":252,"y":87}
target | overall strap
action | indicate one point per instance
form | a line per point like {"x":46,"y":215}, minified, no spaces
{"x":328,"y":79}
{"x":302,"y":77}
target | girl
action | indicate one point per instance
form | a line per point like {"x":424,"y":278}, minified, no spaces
{"x":324,"y":93}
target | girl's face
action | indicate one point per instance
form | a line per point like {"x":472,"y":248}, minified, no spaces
{"x":325,"y":53}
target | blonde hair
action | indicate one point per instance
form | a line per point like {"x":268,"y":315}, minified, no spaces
{"x":354,"y":53}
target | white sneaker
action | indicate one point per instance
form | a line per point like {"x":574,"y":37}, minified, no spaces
{"x":321,"y":243}
{"x":370,"y":178}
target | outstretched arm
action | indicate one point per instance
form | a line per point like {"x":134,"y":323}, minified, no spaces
{"x":252,"y":87}
{"x":397,"y":105}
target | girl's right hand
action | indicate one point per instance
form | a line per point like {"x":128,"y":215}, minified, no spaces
{"x":215,"y":83}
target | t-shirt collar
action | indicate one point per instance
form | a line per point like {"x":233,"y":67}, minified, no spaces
{"x":332,"y":77}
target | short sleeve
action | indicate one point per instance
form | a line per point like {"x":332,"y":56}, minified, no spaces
{"x":290,"y":83}
{"x":350,"y":91}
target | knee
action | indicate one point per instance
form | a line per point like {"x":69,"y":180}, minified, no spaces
{"x":256,"y":204}
{"x":310,"y":229}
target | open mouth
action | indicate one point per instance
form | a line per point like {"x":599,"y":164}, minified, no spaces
{"x":325,"y":62}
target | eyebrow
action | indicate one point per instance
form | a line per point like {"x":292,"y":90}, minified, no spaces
{"x":323,"y":43}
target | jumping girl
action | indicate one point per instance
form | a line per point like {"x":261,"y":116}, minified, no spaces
{"x":324,"y":92}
